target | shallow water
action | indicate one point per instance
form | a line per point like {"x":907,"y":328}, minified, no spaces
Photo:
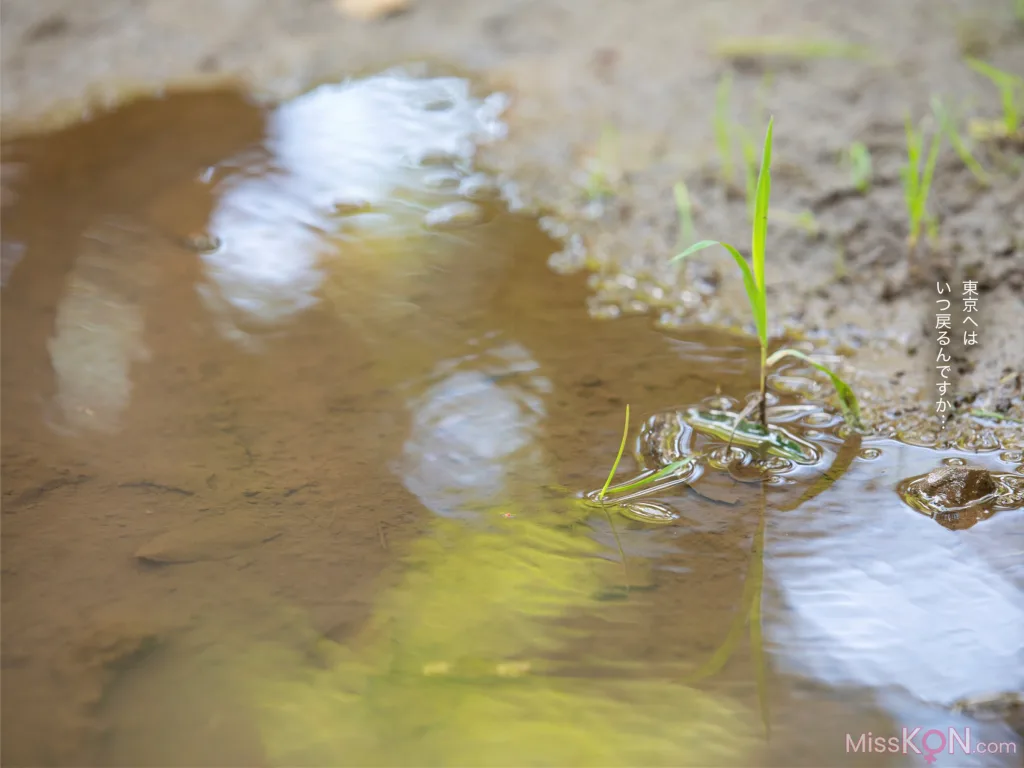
{"x":297,"y":426}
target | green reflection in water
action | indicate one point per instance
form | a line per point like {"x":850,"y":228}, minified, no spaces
{"x":451,"y":668}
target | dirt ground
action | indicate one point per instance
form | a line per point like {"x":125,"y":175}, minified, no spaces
{"x":648,"y":70}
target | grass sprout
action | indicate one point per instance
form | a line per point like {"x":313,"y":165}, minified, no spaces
{"x":723,"y":127}
{"x":684,"y":206}
{"x":1011,"y":91}
{"x":948,"y":127}
{"x":847,"y":399}
{"x":618,"y":458}
{"x":749,"y":154}
{"x":804,"y":221}
{"x":857,"y":159}
{"x":982,"y":413}
{"x":917,"y":181}
{"x":754,"y":283}
{"x":839,"y":265}
{"x":603,"y":175}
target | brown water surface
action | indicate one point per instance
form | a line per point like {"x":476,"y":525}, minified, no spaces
{"x":223,"y":478}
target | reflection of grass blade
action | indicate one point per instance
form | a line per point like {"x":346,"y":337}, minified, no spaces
{"x":739,"y":421}
{"x":751,"y":590}
{"x":756,"y":576}
{"x":615,"y":467}
{"x":749,"y":614}
{"x":845,"y":457}
{"x":847,"y":399}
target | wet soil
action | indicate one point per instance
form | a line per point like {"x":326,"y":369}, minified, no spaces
{"x":184,"y":492}
{"x":648,"y":71}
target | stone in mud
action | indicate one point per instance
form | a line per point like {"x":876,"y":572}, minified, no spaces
{"x":956,"y":487}
{"x":1006,"y":706}
{"x":368,"y":10}
{"x":212,"y":538}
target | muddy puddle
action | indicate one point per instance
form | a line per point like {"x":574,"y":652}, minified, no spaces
{"x":298,"y":435}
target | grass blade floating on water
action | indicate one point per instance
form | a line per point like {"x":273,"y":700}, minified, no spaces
{"x":847,"y":399}
{"x":604,"y":490}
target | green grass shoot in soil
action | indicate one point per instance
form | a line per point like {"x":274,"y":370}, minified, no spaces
{"x":754,"y":283}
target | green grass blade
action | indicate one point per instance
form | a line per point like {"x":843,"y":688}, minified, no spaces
{"x":988,"y":414}
{"x":754,"y":295}
{"x":912,"y":170}
{"x":694,"y":248}
{"x":1007,"y":83}
{"x":722,"y":121}
{"x":667,"y":471}
{"x":764,"y":191}
{"x":929,"y":170}
{"x":847,"y":399}
{"x":748,"y":153}
{"x":948,"y":127}
{"x":618,"y":457}
{"x":858,"y":158}
{"x":1000,"y":78}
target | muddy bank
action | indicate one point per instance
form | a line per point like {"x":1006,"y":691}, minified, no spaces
{"x":649,"y":71}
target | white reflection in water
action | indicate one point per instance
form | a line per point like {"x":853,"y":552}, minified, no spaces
{"x":875,"y":595}
{"x":474,"y":431}
{"x":98,"y":332}
{"x":337,"y":161}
